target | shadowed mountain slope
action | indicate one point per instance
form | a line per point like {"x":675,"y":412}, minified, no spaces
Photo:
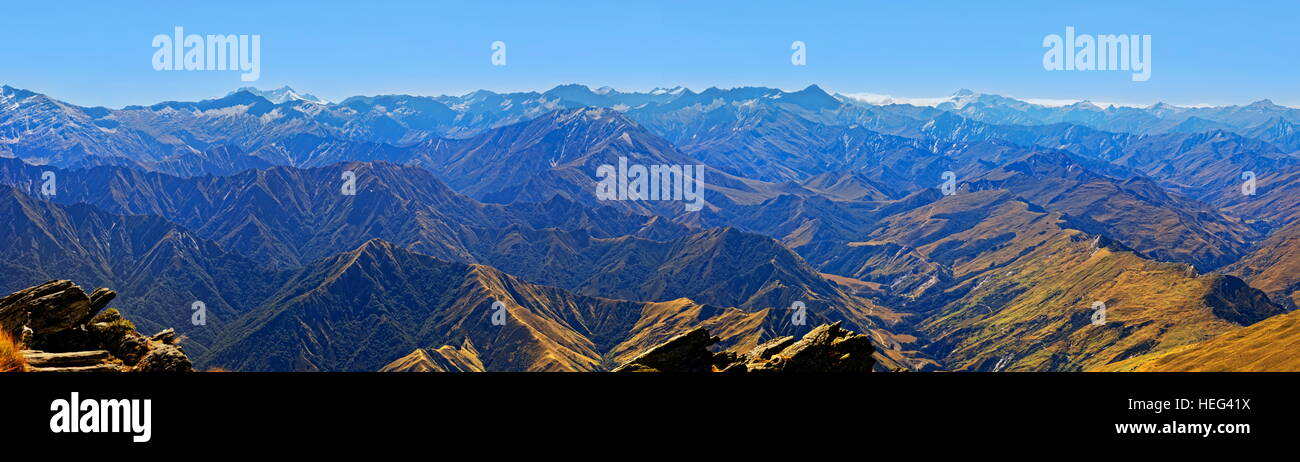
{"x":1274,"y":266}
{"x":364,"y":309}
{"x":160,"y":268}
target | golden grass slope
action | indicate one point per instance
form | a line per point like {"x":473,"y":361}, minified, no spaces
{"x":1271,"y":345}
{"x":444,"y":359}
{"x":1025,"y":283}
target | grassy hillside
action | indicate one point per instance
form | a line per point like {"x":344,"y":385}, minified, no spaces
{"x":1269,"y":345}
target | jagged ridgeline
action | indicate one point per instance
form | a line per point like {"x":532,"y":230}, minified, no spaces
{"x":476,"y":240}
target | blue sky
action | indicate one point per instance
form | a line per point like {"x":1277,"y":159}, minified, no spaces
{"x":1203,"y":52}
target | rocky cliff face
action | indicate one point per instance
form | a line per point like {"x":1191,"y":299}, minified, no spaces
{"x":827,"y":348}
{"x":62,"y":329}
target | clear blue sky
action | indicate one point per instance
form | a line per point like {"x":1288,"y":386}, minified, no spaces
{"x":98,"y":53}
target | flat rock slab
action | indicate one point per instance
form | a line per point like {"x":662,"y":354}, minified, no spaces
{"x":40,"y":359}
{"x":95,"y":368}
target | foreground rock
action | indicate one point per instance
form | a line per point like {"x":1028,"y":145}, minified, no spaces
{"x":77,"y":361}
{"x":61,"y":329}
{"x":827,"y":348}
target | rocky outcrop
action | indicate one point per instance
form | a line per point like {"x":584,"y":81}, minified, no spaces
{"x":62,"y":329}
{"x":164,"y":358}
{"x":687,"y":352}
{"x":827,"y":348}
{"x":50,"y":307}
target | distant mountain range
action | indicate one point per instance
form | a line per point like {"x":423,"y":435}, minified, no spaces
{"x":812,"y":199}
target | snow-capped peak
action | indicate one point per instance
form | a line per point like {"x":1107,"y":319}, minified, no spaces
{"x":282,"y":95}
{"x":668,"y":91}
